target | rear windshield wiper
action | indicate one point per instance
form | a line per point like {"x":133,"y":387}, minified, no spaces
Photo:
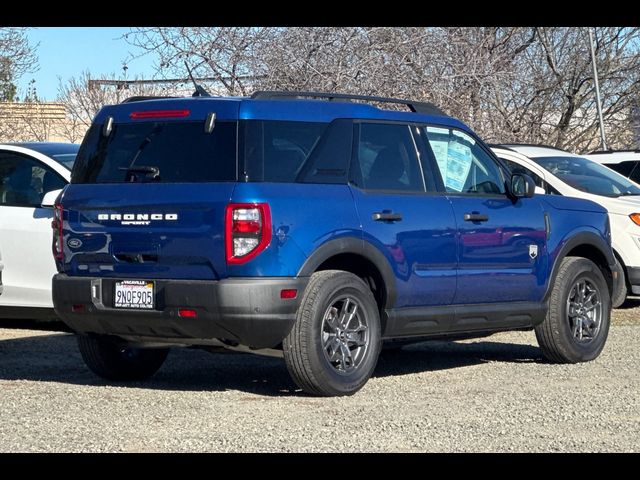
{"x":148,"y":173}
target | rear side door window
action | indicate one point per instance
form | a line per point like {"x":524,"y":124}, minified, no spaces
{"x":385,"y":158}
{"x":629,"y":169}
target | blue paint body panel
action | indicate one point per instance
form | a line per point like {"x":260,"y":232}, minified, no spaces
{"x":421,"y":248}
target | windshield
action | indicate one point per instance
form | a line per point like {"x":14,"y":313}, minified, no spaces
{"x":588,"y":176}
{"x":65,"y":159}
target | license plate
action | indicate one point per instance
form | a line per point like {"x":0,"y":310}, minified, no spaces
{"x":136,"y":294}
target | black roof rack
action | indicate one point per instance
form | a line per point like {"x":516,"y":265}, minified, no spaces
{"x":417,"y":107}
{"x":140,"y":98}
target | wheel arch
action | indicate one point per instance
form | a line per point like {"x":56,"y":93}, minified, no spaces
{"x":586,"y":245}
{"x":360,"y":258}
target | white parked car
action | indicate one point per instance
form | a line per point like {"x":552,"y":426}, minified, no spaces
{"x":1,"y":266}
{"x":563,"y":173}
{"x":31,"y":176}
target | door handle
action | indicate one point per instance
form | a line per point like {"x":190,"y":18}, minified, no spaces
{"x":475,"y":217}
{"x":386,"y":217}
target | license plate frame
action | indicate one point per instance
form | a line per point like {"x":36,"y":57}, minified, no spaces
{"x":134,"y":295}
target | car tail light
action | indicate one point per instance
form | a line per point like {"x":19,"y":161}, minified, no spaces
{"x":56,"y":225}
{"x":247,"y":231}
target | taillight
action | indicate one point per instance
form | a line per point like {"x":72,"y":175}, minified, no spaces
{"x":247,"y":230}
{"x":56,"y":225}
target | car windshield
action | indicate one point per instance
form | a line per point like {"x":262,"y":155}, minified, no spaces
{"x":65,"y":159}
{"x":588,"y":176}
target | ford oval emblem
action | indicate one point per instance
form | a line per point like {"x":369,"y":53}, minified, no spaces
{"x":74,"y":243}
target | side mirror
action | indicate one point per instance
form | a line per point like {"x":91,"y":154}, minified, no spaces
{"x":49,"y":198}
{"x":522,"y":185}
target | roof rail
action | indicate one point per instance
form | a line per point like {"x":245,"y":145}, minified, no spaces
{"x":417,"y":107}
{"x":599,"y":152}
{"x":140,"y":98}
{"x":508,"y":145}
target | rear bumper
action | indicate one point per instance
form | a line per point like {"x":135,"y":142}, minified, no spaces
{"x":248,"y":311}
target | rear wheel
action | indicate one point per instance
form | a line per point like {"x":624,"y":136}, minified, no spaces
{"x":577,"y":323}
{"x":114,"y":360}
{"x":334,"y":345}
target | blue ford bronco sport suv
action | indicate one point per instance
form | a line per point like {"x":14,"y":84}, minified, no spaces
{"x":315,"y":227}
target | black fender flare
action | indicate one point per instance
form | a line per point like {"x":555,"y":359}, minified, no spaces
{"x":581,"y":238}
{"x":359,"y":247}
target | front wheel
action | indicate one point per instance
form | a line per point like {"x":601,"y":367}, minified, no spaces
{"x":334,"y":345}
{"x":114,"y":360}
{"x":577,"y":323}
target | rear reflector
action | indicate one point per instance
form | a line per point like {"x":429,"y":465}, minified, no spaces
{"x":289,"y":293}
{"x":159,"y":114}
{"x":77,"y":308}
{"x":187,"y":313}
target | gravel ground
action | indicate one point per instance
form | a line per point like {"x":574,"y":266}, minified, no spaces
{"x":490,"y":394}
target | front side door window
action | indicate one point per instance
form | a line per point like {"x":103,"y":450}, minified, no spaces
{"x":24,"y":181}
{"x":464,"y":166}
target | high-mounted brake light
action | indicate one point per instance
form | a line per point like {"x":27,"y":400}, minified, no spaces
{"x":159,"y":114}
{"x":247,"y":230}
{"x":56,"y":225}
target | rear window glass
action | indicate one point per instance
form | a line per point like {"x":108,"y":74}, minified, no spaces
{"x":158,"y":151}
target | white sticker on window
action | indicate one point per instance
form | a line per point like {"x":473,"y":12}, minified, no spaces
{"x":458,"y":164}
{"x":439,"y":149}
{"x":442,"y":131}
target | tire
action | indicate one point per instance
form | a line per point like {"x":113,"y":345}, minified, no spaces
{"x":322,"y":356}
{"x":620,"y":295}
{"x":560,"y":335}
{"x":114,"y":360}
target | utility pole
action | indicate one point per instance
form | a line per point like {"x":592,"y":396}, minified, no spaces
{"x":595,"y":78}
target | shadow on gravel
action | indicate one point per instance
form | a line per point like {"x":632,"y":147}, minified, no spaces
{"x":630,"y":303}
{"x":55,"y":358}
{"x":442,"y":355}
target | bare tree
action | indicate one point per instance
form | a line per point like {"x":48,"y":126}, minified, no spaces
{"x":82,"y":101}
{"x":17,"y":57}
{"x":226,"y":54}
{"x":509,"y":84}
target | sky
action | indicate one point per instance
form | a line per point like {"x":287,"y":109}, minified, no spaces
{"x":66,"y":52}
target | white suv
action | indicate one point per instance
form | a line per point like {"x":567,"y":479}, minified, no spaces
{"x":563,"y":173}
{"x":31,"y":176}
